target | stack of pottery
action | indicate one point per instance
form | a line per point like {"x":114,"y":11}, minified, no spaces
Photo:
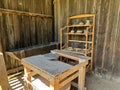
{"x":85,"y":31}
{"x":79,"y":31}
{"x":77,"y":49}
{"x":87,"y":22}
{"x":72,"y":31}
{"x":70,"y":48}
{"x":81,"y":23}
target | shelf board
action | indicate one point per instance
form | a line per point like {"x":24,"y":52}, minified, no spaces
{"x":77,"y":52}
{"x":78,"y":33}
{"x":79,"y":41}
{"x":80,"y":25}
{"x":82,"y":16}
{"x":74,"y":52}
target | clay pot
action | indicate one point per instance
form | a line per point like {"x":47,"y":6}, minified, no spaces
{"x":70,"y":48}
{"x":81,"y":23}
{"x":85,"y":31}
{"x":72,"y":31}
{"x":87,"y":22}
{"x":79,"y":31}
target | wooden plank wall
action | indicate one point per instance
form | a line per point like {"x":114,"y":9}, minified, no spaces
{"x":20,"y":30}
{"x":107,"y":36}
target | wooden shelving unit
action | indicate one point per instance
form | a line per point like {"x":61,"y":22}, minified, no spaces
{"x":79,"y":37}
{"x":78,"y":33}
{"x":80,"y":25}
{"x":80,"y":41}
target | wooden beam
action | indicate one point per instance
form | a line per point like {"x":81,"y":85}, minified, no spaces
{"x":70,"y":71}
{"x":8,"y":11}
{"x":14,"y":70}
{"x":11,"y":54}
{"x":82,"y":16}
{"x":69,"y":79}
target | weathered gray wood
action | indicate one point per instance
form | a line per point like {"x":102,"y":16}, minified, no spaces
{"x":108,"y":45}
{"x":103,"y":22}
{"x":47,"y":65}
{"x":69,"y":55}
{"x":116,"y":45}
{"x":51,"y":56}
{"x":3,"y":74}
{"x":106,"y":30}
{"x":16,"y":55}
{"x":22,"y":24}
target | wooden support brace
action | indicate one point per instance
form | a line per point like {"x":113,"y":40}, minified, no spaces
{"x":24,"y":13}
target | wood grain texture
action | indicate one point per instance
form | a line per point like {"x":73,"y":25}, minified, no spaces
{"x":22,"y":24}
{"x":106,"y":31}
{"x":48,"y":65}
{"x":3,"y":74}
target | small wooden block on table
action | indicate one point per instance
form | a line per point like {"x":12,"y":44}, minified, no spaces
{"x":56,"y":72}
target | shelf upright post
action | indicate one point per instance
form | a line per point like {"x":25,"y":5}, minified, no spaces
{"x":93,"y":33}
{"x":61,"y":39}
{"x":86,"y":46}
{"x":68,"y":21}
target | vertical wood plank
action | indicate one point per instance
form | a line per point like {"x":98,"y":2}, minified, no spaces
{"x":116,"y":45}
{"x":3,"y":74}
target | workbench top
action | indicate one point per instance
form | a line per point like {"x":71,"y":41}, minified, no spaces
{"x":46,"y":64}
{"x":70,"y":55}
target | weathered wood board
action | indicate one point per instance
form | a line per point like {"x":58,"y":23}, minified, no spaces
{"x":48,"y":65}
{"x":24,"y":24}
{"x":107,"y":50}
{"x":4,"y":85}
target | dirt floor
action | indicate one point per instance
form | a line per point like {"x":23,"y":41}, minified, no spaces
{"x":96,"y":83}
{"x":92,"y":83}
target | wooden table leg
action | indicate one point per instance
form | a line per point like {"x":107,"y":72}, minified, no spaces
{"x":81,"y":81}
{"x":69,"y":86}
{"x":54,"y":85}
{"x":28,"y":77}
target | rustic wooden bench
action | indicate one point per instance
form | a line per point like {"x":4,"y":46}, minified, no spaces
{"x":17,"y":55}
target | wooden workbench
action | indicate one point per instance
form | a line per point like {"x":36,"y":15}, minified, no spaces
{"x":76,"y":57}
{"x":56,"y":72}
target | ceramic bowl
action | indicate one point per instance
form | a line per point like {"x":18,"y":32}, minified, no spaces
{"x":72,"y":31}
{"x":79,"y":31}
